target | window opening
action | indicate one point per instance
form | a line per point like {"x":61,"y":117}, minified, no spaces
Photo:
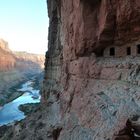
{"x":112,"y":51}
{"x":138,"y":48}
{"x":128,"y":50}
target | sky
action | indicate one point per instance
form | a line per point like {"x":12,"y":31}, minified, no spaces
{"x":24,"y":25}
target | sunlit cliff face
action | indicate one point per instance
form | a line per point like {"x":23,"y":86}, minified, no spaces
{"x":7,"y":60}
{"x":11,"y":60}
{"x":89,"y":84}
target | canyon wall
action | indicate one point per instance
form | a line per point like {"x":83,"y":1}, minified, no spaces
{"x":86,"y":96}
{"x":92,"y":96}
{"x":7,"y":60}
{"x":22,"y":61}
{"x":29,"y":63}
{"x":97,"y":95}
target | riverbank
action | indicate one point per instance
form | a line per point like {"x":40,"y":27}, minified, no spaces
{"x":29,"y":108}
{"x":9,"y":81}
{"x":10,"y":112}
{"x":9,"y":92}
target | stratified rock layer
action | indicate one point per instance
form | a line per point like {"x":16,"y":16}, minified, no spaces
{"x":28,"y":62}
{"x":7,"y":60}
{"x":86,"y":97}
{"x":22,"y":61}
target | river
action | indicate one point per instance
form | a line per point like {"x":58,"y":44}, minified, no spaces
{"x":10,"y":111}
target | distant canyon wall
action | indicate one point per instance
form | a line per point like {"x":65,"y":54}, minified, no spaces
{"x":19,"y":60}
{"x":7,"y":59}
{"x":29,"y":62}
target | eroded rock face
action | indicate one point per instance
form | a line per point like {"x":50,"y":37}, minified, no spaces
{"x":94,"y":25}
{"x":22,"y":61}
{"x":7,"y":60}
{"x":97,"y":95}
{"x":28,"y":62}
{"x":85,"y":97}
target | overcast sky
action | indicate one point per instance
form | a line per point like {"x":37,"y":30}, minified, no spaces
{"x":24,"y":24}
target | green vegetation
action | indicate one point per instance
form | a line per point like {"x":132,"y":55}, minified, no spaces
{"x":29,"y":108}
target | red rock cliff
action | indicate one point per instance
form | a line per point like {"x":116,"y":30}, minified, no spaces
{"x":7,"y":60}
{"x":19,"y":60}
{"x":94,"y":96}
{"x":90,"y":26}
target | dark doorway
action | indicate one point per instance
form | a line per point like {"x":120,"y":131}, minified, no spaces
{"x":112,"y":51}
{"x":138,"y":48}
{"x":128,"y":50}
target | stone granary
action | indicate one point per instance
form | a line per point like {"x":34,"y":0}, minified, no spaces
{"x":122,"y":51}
